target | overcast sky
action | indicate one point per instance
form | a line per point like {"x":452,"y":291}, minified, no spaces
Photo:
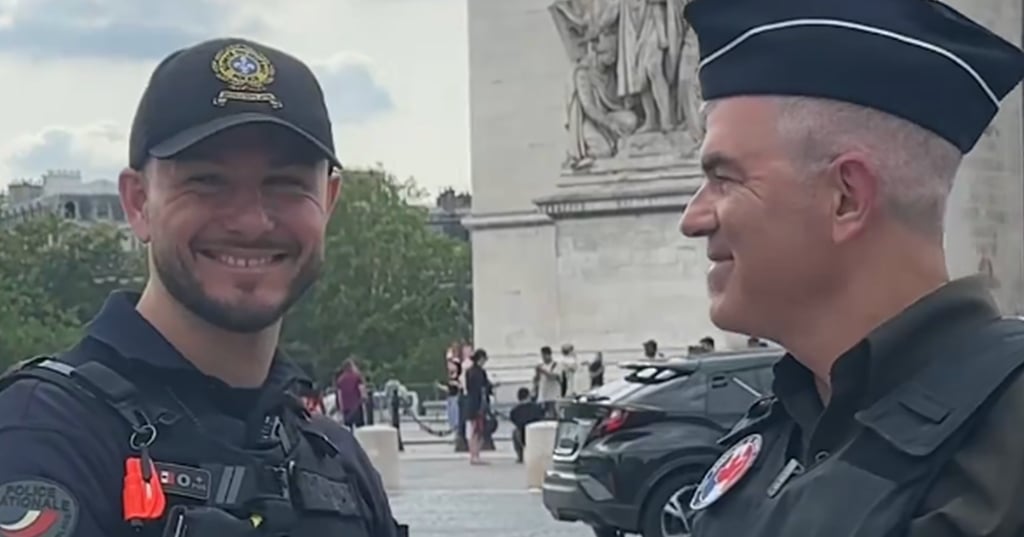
{"x":395,"y":74}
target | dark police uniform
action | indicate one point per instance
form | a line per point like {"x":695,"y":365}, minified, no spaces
{"x":249,"y":452}
{"x":121,"y":435}
{"x":922,"y":434}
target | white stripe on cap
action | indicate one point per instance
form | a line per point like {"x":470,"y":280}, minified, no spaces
{"x":860,"y":28}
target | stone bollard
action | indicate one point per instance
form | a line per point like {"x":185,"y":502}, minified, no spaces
{"x":540,"y":441}
{"x":381,"y":444}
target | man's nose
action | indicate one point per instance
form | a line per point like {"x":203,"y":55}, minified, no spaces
{"x":699,"y":218}
{"x":247,"y":214}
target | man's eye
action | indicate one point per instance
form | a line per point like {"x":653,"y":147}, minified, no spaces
{"x":204,"y":180}
{"x":289,"y":183}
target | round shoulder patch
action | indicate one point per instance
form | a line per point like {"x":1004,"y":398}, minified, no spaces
{"x":36,"y":508}
{"x":726,"y":472}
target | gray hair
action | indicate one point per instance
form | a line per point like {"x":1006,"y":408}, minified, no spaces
{"x":916,"y":167}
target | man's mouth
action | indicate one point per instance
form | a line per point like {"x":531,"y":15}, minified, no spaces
{"x":237,"y":260}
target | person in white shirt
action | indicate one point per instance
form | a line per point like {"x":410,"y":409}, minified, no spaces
{"x":568,"y":365}
{"x":547,"y":380}
{"x":576,"y":370}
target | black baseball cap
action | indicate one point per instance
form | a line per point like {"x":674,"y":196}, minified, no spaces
{"x":218,"y":84}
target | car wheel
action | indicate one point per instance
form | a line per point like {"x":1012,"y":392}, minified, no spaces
{"x":605,"y":531}
{"x":666,"y":511}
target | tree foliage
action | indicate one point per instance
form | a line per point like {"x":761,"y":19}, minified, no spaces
{"x":393,"y":293}
{"x":54,"y":274}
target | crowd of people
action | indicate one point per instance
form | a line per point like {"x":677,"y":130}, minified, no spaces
{"x":470,"y":390}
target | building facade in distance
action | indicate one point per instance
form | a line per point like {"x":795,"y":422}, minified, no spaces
{"x":446,"y":215}
{"x":64,"y":193}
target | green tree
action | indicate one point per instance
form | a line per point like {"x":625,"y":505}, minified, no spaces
{"x":393,"y":291}
{"x":29,"y":325}
{"x":54,"y":275}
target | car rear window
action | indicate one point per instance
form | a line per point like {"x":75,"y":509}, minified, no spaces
{"x":652,"y":375}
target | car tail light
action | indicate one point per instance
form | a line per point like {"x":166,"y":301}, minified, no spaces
{"x":616,"y":420}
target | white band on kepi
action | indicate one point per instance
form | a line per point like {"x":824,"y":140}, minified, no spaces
{"x":858,"y":27}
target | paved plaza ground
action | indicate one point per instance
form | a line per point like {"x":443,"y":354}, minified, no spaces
{"x":441,"y":495}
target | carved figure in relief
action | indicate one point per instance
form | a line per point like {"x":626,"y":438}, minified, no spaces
{"x":630,"y":78}
{"x":596,"y":117}
{"x":649,"y":46}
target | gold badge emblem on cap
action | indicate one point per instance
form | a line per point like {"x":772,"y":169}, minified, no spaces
{"x":247,"y":73}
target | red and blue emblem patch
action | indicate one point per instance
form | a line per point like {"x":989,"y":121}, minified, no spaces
{"x":726,"y":472}
{"x":36,"y":508}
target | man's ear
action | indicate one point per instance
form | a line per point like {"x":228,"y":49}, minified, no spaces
{"x":855,"y":185}
{"x":334,"y":181}
{"x":133,"y":188}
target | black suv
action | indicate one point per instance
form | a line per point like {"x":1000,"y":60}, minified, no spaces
{"x":624,"y":452}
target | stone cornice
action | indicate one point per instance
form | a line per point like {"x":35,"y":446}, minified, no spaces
{"x":625,"y":197}
{"x":595,"y":195}
{"x":476,"y":222}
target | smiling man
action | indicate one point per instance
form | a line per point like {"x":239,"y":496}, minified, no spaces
{"x":177,"y":414}
{"x":835,"y":129}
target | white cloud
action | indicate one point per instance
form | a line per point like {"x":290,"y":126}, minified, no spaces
{"x":395,"y":73}
{"x":98,"y":149}
{"x":341,"y":60}
{"x":123,"y":29}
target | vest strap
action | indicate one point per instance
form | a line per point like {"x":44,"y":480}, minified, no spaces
{"x":91,"y":380}
{"x":113,"y":389}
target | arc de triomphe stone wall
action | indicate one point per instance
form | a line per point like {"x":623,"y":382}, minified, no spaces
{"x":985,"y":221}
{"x":582,"y":164}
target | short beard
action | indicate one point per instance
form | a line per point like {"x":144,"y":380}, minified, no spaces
{"x":186,"y":289}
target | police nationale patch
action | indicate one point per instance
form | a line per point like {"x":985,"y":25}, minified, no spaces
{"x":36,"y":508}
{"x":726,"y":472}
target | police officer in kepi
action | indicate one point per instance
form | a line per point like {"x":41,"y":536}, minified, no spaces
{"x":177,"y":414}
{"x":834,"y":129}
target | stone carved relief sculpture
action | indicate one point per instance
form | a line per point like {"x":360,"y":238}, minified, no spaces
{"x":632,"y":89}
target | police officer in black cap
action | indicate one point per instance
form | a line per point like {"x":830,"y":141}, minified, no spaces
{"x":834,"y":129}
{"x":177,"y":413}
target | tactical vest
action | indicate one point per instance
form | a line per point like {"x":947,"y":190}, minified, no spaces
{"x":293,"y":481}
{"x":874,"y":485}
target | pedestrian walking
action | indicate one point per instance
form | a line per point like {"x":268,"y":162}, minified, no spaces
{"x":547,"y":381}
{"x":453,"y":387}
{"x":834,"y":130}
{"x":596,"y":369}
{"x":351,"y":394}
{"x":478,"y":395}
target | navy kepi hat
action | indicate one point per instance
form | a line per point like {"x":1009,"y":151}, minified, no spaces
{"x":916,"y":59}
